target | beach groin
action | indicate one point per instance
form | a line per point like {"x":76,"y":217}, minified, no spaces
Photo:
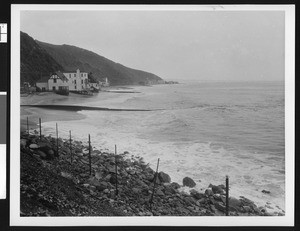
{"x":62,"y":177}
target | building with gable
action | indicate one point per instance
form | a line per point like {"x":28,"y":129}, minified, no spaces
{"x":67,"y":81}
{"x":58,"y":81}
{"x":77,"y":80}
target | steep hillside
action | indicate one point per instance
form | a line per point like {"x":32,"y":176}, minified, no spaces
{"x":71,"y":58}
{"x":35,"y":61}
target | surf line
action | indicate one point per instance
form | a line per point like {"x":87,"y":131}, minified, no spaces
{"x":80,"y":108}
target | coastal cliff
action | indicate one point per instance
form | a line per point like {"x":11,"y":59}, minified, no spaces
{"x":39,"y":59}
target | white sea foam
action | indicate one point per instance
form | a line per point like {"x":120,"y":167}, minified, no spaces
{"x":206,"y":133}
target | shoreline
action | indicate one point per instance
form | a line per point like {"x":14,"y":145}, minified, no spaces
{"x":32,"y":106}
{"x":169,"y":199}
{"x":80,"y":108}
{"x":135,"y":151}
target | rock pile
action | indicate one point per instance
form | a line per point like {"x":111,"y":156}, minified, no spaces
{"x":135,"y":180}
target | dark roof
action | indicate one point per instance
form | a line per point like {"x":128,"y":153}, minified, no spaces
{"x":70,"y":71}
{"x":44,"y":79}
{"x":93,"y":80}
{"x":75,"y":71}
{"x":61,"y":76}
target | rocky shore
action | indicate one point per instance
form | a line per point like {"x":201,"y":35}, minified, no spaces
{"x":60,"y":184}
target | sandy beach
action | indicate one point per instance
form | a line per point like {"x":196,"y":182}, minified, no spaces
{"x":50,"y":98}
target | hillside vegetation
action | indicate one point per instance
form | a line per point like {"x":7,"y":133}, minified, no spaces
{"x":40,"y":59}
{"x":71,"y":58}
{"x":35,"y":61}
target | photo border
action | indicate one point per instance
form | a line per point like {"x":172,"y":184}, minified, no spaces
{"x":287,"y":220}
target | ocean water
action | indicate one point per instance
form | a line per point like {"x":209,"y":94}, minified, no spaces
{"x":202,"y":130}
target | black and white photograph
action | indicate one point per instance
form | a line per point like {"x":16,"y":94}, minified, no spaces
{"x":152,"y":115}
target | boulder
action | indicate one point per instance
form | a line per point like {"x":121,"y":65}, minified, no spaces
{"x":33,"y":146}
{"x":50,"y":154}
{"x":164,"y":178}
{"x":42,"y":154}
{"x":217,"y":197}
{"x":48,"y":150}
{"x":175,"y":185}
{"x":102,"y":186}
{"x":23,"y":143}
{"x":113,"y":179}
{"x":196,"y":194}
{"x":159,"y":192}
{"x":217,"y":189}
{"x":247,"y":209}
{"x":222,"y":186}
{"x":107,"y":178}
{"x":112,"y":168}
{"x":94,"y":181}
{"x":235,"y":203}
{"x":67,"y":175}
{"x":209,"y":192}
{"x":189,"y":182}
{"x":202,"y":200}
{"x":189,"y":200}
{"x":223,"y":198}
{"x":157,"y":179}
{"x":220,"y":206}
{"x":169,"y":189}
{"x":98,"y":175}
{"x":136,"y":190}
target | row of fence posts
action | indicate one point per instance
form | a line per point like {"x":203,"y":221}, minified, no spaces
{"x":116,"y":166}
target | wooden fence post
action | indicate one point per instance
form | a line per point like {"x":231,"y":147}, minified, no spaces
{"x":40,"y":122}
{"x":227,"y":196}
{"x":90,"y":158}
{"x":116,"y":165}
{"x":57,"y":140}
{"x":27,"y":126}
{"x":154,"y":185}
{"x":71,"y":155}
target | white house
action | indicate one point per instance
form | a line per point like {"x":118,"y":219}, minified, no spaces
{"x":71,"y":81}
{"x":77,"y":81}
{"x":58,"y":81}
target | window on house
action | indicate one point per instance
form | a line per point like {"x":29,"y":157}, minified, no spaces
{"x":75,"y":87}
{"x":53,"y":88}
{"x":82,"y":81}
{"x":75,"y":81}
{"x":54,"y":80}
{"x":70,"y":75}
{"x":74,"y":75}
{"x":81,"y":75}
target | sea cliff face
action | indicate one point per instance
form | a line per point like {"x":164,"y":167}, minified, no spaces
{"x":63,"y":178}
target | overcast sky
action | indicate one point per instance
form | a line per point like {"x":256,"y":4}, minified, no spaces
{"x":202,"y":45}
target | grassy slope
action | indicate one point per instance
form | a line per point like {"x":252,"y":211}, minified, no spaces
{"x":71,"y":58}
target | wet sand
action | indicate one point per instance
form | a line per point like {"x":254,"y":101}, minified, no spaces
{"x":47,"y":98}
{"x":34,"y":114}
{"x":53,"y":107}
